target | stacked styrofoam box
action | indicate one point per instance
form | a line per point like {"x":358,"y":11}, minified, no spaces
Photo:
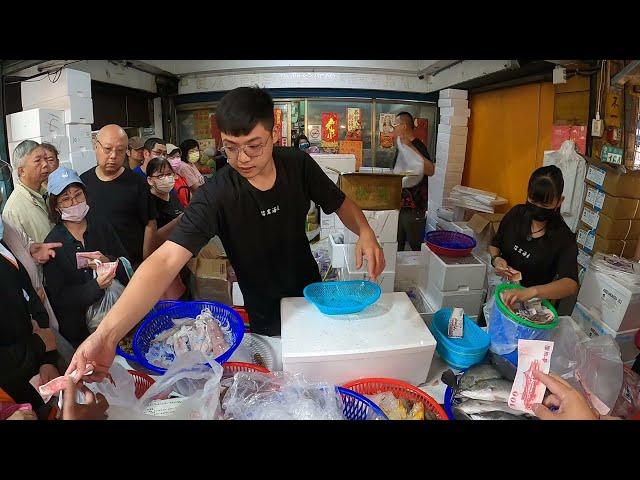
{"x":71,"y":94}
{"x":451,"y":145}
{"x":330,"y":225}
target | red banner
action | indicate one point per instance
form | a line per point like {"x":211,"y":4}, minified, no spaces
{"x":330,"y":127}
{"x":215,"y":132}
{"x":577,"y":133}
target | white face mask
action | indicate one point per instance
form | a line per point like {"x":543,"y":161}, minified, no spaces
{"x":74,"y":213}
{"x":164,"y":185}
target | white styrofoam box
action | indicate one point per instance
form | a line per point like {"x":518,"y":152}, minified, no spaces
{"x":333,"y":176}
{"x":453,"y":102}
{"x":384,"y":224}
{"x":445,"y":213}
{"x":386,"y":279}
{"x":421,"y":304}
{"x":450,"y":151}
{"x":341,"y":162}
{"x":451,"y":274}
{"x":37,"y":122}
{"x":409,"y":267}
{"x":336,"y":252}
{"x":79,"y":137}
{"x":617,"y":304}
{"x":455,"y":121}
{"x":452,"y":129}
{"x":327,"y":221}
{"x":71,"y":83}
{"x":449,"y":139}
{"x":454,"y":93}
{"x":454,"y":171}
{"x":389,"y":249}
{"x":593,"y":325}
{"x":61,"y":144}
{"x":238,"y":299}
{"x":469,"y":300}
{"x":83,"y":160}
{"x":76,"y":109}
{"x":454,"y":111}
{"x":388,"y":339}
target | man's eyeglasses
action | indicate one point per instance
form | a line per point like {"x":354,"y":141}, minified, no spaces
{"x":75,"y":200}
{"x":109,"y":150}
{"x":249,"y":150}
{"x":159,"y":153}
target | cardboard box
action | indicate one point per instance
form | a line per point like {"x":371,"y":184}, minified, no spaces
{"x":452,"y":129}
{"x":454,"y":112}
{"x":617,"y":304}
{"x":453,"y":102}
{"x":37,"y":122}
{"x":455,"y":121}
{"x":76,"y":109}
{"x":210,"y":271}
{"x":593,"y":326}
{"x":591,"y":242}
{"x":607,"y":227}
{"x":384,"y":224}
{"x":613,"y":207}
{"x":484,"y":226}
{"x":613,"y":182}
{"x":79,"y":137}
{"x":61,"y":144}
{"x":372,"y":191}
{"x":70,"y":83}
{"x":454,"y":93}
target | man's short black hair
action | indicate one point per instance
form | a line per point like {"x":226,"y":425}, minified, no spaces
{"x":407,"y":118}
{"x":242,"y":109}
{"x":151,"y":142}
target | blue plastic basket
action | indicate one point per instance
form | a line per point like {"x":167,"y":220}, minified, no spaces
{"x":449,"y":239}
{"x":161,"y":305}
{"x":462,"y":352}
{"x":358,"y":407}
{"x":339,"y":298}
{"x":162,"y":320}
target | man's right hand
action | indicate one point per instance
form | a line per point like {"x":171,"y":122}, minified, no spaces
{"x":95,"y":353}
{"x":570,"y":404}
{"x":46,"y":335}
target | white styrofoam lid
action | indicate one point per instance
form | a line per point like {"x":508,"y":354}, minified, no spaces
{"x":392,"y":323}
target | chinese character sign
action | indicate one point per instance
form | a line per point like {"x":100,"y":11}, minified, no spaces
{"x":277,"y":124}
{"x":215,"y":131}
{"x":385,"y":128}
{"x":201,"y":124}
{"x":330,"y":127}
{"x":354,"y":124}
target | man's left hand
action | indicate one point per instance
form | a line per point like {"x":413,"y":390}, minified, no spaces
{"x":42,"y":252}
{"x":369,"y":249}
{"x":519,"y":295}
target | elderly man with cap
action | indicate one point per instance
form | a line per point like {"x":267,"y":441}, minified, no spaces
{"x":26,"y":209}
{"x":134,"y":153}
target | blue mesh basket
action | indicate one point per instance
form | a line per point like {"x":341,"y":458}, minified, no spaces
{"x":358,"y":407}
{"x":161,"y":305}
{"x":162,"y":320}
{"x":338,"y":298}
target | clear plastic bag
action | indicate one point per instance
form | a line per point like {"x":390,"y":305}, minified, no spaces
{"x":280,"y":396}
{"x":411,"y":162}
{"x":98,"y":310}
{"x":621,"y":269}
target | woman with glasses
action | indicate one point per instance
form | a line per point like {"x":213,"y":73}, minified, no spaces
{"x":161,"y":179}
{"x":73,"y":290}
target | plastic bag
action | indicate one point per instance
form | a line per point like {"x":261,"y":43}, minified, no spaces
{"x":621,"y":269}
{"x":98,"y":310}
{"x":628,"y":403}
{"x":280,"y":396}
{"x":189,"y":390}
{"x":411,"y":162}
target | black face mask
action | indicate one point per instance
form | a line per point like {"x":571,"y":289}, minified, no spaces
{"x":542,"y":214}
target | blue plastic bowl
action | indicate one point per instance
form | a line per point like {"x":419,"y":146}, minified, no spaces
{"x":358,"y":407}
{"x":460,"y":353}
{"x":339,"y":298}
{"x":162,"y":320}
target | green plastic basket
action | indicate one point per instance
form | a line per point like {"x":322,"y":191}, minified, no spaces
{"x":523,"y":321}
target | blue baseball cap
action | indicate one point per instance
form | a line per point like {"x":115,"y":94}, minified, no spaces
{"x":61,"y":178}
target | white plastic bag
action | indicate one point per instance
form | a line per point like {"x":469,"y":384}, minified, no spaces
{"x":98,"y":310}
{"x":409,"y":161}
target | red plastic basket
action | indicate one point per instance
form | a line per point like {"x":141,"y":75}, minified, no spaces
{"x":371,"y":386}
{"x":142,"y":381}
{"x":231,"y":368}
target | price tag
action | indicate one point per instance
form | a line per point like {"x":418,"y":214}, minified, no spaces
{"x":584,"y":258}
{"x":595,"y":198}
{"x":586,"y":239}
{"x":611,"y":155}
{"x":589,"y":217}
{"x":596,"y":175}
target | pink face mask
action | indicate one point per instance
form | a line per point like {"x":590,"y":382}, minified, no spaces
{"x":75,"y":213}
{"x":175,"y":162}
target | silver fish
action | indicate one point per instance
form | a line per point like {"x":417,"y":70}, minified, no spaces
{"x":497,"y":415}
{"x":470,"y":407}
{"x":496,"y":389}
{"x":476,"y":374}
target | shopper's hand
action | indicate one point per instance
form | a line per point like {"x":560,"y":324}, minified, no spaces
{"x":368,"y":248}
{"x":95,"y":408}
{"x":47,"y":373}
{"x":42,"y":252}
{"x":47,"y":336}
{"x":95,"y":353}
{"x":518,"y":295}
{"x":570,"y":403}
{"x":501,"y":267}
{"x":104,"y":280}
{"x":23,"y":415}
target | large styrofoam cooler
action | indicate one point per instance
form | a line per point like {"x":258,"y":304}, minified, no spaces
{"x":61,"y":144}
{"x":388,"y":339}
{"x":70,"y":83}
{"x":617,"y":304}
{"x":454,"y":93}
{"x":453,"y":102}
{"x":37,"y":122}
{"x":452,"y":129}
{"x":386,"y":280}
{"x":450,"y":150}
{"x":450,"y":274}
{"x":384,"y":224}
{"x":83,"y":160}
{"x":470,"y":300}
{"x":76,"y":109}
{"x":79,"y":137}
{"x":331,"y":221}
{"x":341,"y":162}
{"x":336,"y":252}
{"x":409,"y":268}
{"x":454,"y":111}
{"x":455,"y":121}
{"x":389,"y":249}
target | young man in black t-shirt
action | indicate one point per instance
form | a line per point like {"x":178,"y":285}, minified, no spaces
{"x":412,"y":221}
{"x":257,"y":206}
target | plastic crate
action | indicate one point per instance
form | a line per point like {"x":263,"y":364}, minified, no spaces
{"x":450,"y":244}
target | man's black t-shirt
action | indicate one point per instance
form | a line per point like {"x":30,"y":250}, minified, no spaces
{"x":167,"y":209}
{"x":262,"y":232}
{"x":126,"y":203}
{"x":540,"y":260}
